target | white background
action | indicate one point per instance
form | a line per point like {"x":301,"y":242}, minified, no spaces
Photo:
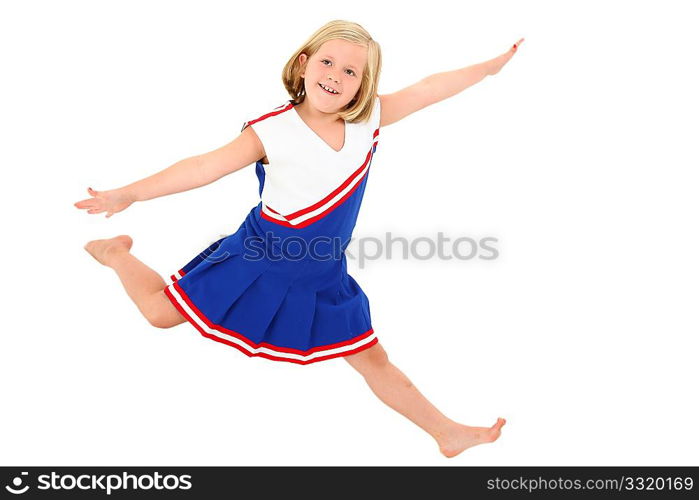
{"x":579,"y":157}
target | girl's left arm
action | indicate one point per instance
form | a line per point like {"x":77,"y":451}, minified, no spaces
{"x":438,"y":87}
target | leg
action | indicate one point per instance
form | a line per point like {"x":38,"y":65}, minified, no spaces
{"x":398,"y":392}
{"x":142,"y":284}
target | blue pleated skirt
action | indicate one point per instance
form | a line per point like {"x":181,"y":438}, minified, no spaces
{"x":300,"y":311}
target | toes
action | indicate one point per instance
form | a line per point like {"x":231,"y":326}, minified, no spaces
{"x":498,"y":425}
{"x":494,"y":431}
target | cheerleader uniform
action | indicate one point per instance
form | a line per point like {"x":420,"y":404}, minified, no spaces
{"x":278,"y":287}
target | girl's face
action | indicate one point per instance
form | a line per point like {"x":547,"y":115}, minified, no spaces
{"x":338,"y":64}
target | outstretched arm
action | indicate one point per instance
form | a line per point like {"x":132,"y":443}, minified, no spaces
{"x":438,"y":87}
{"x":190,"y":173}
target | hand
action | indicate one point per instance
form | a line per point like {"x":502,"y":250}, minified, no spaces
{"x":495,"y":65}
{"x":112,"y":201}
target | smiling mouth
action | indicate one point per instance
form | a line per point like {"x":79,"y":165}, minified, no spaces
{"x":327,"y":91}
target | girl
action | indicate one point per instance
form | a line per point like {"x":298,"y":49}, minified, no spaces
{"x":278,"y":288}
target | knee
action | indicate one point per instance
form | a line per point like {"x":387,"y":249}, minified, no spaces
{"x":160,"y":312}
{"x":371,"y":359}
{"x":157,"y":319}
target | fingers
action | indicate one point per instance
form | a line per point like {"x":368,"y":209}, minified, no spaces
{"x":92,"y":204}
{"x":88,"y":202}
{"x":84,"y":203}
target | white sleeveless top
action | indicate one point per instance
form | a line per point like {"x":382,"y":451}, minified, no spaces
{"x":303,"y":169}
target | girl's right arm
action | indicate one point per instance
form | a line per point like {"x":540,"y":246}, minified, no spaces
{"x":190,"y":173}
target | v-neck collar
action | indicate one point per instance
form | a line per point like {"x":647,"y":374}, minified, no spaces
{"x":306,"y":126}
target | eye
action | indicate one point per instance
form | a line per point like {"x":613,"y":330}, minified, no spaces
{"x":323,"y":61}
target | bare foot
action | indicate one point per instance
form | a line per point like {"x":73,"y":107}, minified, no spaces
{"x":465,"y":437}
{"x":102,"y":250}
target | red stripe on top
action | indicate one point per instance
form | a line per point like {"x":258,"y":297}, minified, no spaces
{"x":324,"y":212}
{"x":267,"y":115}
{"x":315,"y":217}
{"x":318,"y":204}
{"x":334,"y":192}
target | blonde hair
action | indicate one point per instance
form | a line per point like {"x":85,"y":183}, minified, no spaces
{"x":360,"y":107}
